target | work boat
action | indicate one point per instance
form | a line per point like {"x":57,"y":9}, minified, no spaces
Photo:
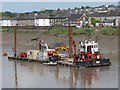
{"x":89,"y":54}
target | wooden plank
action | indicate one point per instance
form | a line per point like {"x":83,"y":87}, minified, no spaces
{"x":65,"y":63}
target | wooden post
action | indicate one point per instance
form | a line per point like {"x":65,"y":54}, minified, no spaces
{"x":16,"y":82}
{"x":14,"y":41}
{"x":70,"y":42}
{"x":15,"y":54}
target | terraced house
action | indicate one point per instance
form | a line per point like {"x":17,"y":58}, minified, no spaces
{"x":25,"y":20}
{"x":76,"y":20}
{"x":43,"y":21}
{"x":106,"y":17}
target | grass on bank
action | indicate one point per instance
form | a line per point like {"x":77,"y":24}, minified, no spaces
{"x":110,"y":31}
{"x":64,"y":30}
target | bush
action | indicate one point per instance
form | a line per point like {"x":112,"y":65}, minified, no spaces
{"x":110,"y":31}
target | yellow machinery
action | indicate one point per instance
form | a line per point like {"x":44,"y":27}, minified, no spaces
{"x":64,"y":48}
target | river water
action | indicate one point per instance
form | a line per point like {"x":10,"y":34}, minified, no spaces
{"x":36,"y":75}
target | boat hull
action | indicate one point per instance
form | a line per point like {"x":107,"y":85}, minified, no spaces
{"x":93,"y":63}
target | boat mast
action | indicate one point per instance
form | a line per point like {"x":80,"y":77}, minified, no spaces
{"x":15,"y":41}
{"x":70,"y":42}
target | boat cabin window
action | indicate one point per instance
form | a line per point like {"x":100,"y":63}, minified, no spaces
{"x":96,"y":46}
{"x":89,"y":48}
{"x":43,"y":48}
{"x":92,"y":46}
{"x":83,"y":46}
{"x":30,"y":53}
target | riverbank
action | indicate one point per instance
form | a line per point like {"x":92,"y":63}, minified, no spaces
{"x":64,"y":30}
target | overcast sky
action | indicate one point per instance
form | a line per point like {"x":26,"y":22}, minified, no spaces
{"x":37,"y":6}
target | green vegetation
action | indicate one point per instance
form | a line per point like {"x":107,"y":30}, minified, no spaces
{"x":13,"y":14}
{"x":56,"y":29}
{"x":9,"y":14}
{"x":64,"y":30}
{"x":110,"y":31}
{"x":6,"y":29}
{"x":93,"y":21}
{"x":84,"y":30}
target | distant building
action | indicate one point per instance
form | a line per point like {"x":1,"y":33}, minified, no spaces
{"x":6,"y":21}
{"x":57,"y":20}
{"x":42,"y":21}
{"x":106,"y":15}
{"x":119,"y":4}
{"x":77,"y":20}
{"x":106,"y":23}
{"x":13,"y":22}
{"x":117,"y":22}
{"x":25,"y":20}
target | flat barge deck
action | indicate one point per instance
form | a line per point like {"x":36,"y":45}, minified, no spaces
{"x":61,"y":62}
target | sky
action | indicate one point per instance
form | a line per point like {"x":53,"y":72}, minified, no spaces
{"x":37,"y":6}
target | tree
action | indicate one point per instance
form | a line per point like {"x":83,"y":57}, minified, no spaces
{"x":9,"y":14}
{"x":68,"y":8}
{"x":58,"y":9}
{"x":75,"y":8}
{"x":34,"y":12}
{"x":94,"y":21}
{"x":87,"y":7}
{"x":82,"y":7}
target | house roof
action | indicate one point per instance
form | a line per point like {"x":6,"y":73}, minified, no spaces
{"x":63,"y":15}
{"x":42,"y":17}
{"x":74,"y":17}
{"x":5,"y":18}
{"x":104,"y":14}
{"x":59,"y":16}
{"x":24,"y":18}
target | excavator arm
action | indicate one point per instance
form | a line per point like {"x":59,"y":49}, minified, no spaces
{"x":64,"y":48}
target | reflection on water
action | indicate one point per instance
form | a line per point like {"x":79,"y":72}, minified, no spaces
{"x":33,"y":74}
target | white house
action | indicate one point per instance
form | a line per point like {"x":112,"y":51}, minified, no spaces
{"x":117,"y":22}
{"x":42,"y":21}
{"x":13,"y":22}
{"x":105,"y":23}
{"x":6,"y":21}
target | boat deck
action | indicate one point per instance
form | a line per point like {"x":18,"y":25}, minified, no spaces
{"x":65,"y":62}
{"x":25,"y":59}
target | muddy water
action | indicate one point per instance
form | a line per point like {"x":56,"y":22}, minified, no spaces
{"x":35,"y":75}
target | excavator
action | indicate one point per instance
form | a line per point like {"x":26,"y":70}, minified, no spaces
{"x":64,"y":48}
